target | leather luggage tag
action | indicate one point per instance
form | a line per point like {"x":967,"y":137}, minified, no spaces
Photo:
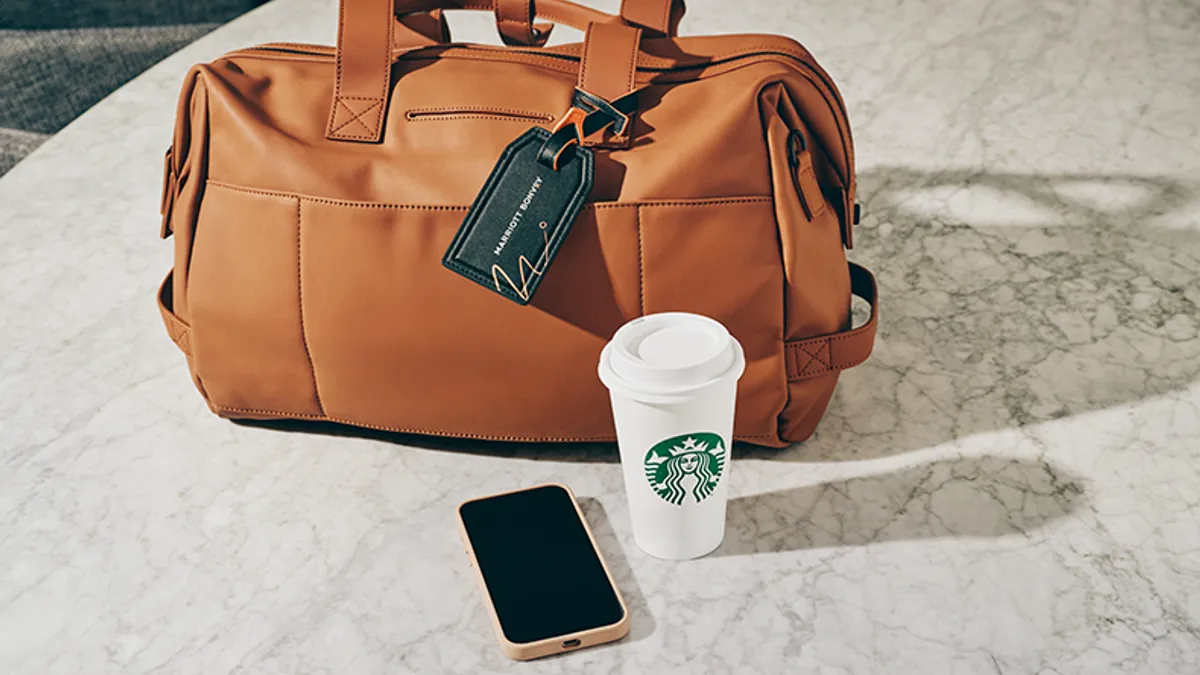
{"x":521,"y":217}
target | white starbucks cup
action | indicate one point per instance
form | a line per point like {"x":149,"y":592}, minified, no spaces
{"x":673,"y":380}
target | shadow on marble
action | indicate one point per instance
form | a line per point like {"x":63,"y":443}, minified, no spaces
{"x":1010,"y":300}
{"x":551,"y":452}
{"x":641,"y":621}
{"x":967,"y":498}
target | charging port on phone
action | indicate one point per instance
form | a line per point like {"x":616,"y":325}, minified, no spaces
{"x":571,"y":643}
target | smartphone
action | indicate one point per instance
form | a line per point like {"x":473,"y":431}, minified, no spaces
{"x":544,"y":582}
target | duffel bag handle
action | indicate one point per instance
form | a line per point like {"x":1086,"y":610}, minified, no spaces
{"x":514,"y":18}
{"x":367,"y":33}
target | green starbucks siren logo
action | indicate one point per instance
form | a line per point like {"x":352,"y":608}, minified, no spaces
{"x":683,"y":465}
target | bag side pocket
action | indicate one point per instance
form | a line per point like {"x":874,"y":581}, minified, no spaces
{"x":816,"y":276}
{"x":186,"y":167}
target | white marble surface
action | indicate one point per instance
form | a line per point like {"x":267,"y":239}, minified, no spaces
{"x":1009,"y":486}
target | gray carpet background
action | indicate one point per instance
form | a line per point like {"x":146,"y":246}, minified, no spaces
{"x":60,"y":57}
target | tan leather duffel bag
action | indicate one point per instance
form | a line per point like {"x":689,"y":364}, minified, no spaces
{"x":313,"y":191}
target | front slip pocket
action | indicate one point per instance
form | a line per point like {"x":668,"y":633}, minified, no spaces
{"x":320,"y":308}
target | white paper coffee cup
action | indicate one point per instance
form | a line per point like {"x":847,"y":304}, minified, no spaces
{"x":673,"y":380}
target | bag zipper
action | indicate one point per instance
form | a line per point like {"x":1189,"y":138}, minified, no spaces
{"x":477,"y":112}
{"x":823,"y":82}
{"x":300,"y":49}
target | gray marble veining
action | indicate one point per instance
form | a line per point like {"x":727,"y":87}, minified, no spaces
{"x":1009,"y":486}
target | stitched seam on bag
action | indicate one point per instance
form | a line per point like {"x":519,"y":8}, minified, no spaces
{"x":372,"y":132}
{"x":178,"y":335}
{"x":386,"y":80}
{"x":637,"y":215}
{"x":853,"y":333}
{"x":356,"y":117}
{"x":534,"y":37}
{"x":798,"y":377}
{"x":817,"y":210}
{"x":528,"y":36}
{"x":831,"y":340}
{"x":337,"y":87}
{"x":809,"y":372}
{"x":583,"y":59}
{"x":377,"y":106}
{"x":335,"y":202}
{"x":347,"y":134}
{"x":816,"y":356}
{"x":799,"y":368}
{"x":637,"y":42}
{"x":446,"y":434}
{"x":804,"y":371}
{"x":312,"y":368}
{"x":848,"y":364}
{"x":703,"y":201}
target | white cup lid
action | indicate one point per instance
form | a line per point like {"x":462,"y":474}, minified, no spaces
{"x":668,"y":355}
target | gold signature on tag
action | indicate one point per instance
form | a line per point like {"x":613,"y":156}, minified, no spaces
{"x":525,"y":269}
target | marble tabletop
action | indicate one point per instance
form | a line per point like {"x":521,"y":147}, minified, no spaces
{"x":1009,"y":486}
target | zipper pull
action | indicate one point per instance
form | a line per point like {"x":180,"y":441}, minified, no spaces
{"x":803,"y":175}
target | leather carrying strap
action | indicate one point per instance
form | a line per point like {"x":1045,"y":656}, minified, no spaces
{"x":558,"y":11}
{"x":366,"y":37}
{"x":814,"y":357}
{"x":514,"y":20}
{"x":607,"y":71}
{"x":420,"y":30}
{"x":609,"y":60}
{"x":364,"y":64}
{"x":657,"y":17}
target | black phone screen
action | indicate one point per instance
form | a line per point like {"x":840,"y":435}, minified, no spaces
{"x":541,"y":571}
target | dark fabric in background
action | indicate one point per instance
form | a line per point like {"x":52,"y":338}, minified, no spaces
{"x":60,"y":57}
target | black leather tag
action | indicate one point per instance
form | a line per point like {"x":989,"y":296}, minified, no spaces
{"x":520,"y":218}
